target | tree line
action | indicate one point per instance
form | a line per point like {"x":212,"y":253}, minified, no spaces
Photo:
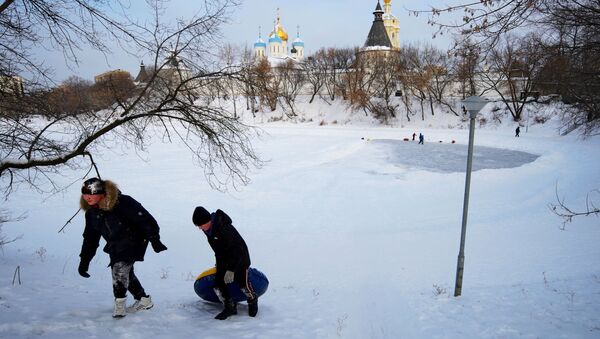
{"x":517,"y":69}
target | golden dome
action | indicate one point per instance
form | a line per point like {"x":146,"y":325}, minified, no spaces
{"x":279,"y":29}
{"x":387,"y":2}
{"x":282,"y":34}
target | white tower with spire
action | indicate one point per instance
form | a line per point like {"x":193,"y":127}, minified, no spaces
{"x":276,"y":45}
{"x":298,"y":46}
{"x":260,"y":47}
{"x":278,"y":39}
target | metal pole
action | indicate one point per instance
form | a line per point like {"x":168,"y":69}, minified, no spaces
{"x":461,"y":254}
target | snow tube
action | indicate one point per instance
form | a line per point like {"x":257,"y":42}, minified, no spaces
{"x":205,"y":283}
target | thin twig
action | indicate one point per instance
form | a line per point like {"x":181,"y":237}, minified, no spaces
{"x":17,"y":275}
{"x":69,"y":221}
{"x":93,"y":163}
{"x":567,"y":214}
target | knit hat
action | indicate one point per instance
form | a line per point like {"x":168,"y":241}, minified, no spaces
{"x":201,"y":216}
{"x":93,"y":186}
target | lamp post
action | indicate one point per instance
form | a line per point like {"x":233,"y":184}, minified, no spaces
{"x":472,"y":105}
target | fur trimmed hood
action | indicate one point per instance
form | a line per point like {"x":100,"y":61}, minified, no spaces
{"x":109,"y":201}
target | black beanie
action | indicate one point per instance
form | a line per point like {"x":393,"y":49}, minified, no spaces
{"x":93,"y":186}
{"x":201,"y":216}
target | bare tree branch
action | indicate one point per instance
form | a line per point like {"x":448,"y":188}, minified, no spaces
{"x":38,"y":139}
{"x":567,"y":213}
{"x":5,"y":217}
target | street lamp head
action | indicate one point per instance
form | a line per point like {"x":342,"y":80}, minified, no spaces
{"x":474,"y":104}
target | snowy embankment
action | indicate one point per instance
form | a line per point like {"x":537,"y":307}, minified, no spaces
{"x":357,"y":230}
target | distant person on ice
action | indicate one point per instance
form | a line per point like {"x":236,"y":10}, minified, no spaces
{"x":127,"y":228}
{"x":517,"y":131}
{"x":232,"y":259}
{"x":414,"y":135}
{"x":421,"y":138}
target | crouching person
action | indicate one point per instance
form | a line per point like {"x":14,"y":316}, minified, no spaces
{"x":127,"y":228}
{"x":232,"y":257}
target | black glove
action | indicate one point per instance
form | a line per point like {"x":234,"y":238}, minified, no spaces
{"x":83,"y":268}
{"x":158,"y":246}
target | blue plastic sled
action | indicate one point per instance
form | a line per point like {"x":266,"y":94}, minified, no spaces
{"x":205,"y":283}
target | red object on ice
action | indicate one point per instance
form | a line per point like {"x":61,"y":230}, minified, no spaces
{"x":405,"y":139}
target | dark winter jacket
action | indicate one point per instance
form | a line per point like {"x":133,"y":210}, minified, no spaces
{"x":231,"y":252}
{"x":124,"y":224}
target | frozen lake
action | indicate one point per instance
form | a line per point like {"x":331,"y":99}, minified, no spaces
{"x":448,"y":158}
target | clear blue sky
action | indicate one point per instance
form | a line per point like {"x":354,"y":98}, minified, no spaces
{"x":323,"y":23}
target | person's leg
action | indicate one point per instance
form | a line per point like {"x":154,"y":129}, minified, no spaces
{"x":135,"y":287}
{"x":222,"y":292}
{"x":220,"y":287}
{"x":242,"y":279}
{"x":120,"y":277}
{"x":142,"y":300}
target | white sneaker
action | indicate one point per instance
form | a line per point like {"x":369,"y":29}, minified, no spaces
{"x":119,"y":311}
{"x":145,"y":303}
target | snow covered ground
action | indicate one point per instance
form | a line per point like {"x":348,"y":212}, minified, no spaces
{"x":357,"y":231}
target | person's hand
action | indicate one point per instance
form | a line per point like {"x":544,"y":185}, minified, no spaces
{"x":158,"y":246}
{"x":83,"y":268}
{"x":228,"y":278}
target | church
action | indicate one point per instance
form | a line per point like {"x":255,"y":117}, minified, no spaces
{"x":276,"y":49}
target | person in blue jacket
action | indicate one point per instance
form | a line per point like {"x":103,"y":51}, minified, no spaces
{"x":127,"y":228}
{"x":232,"y":259}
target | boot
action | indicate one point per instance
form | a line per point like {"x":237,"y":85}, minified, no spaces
{"x":229,"y":310}
{"x":145,"y":303}
{"x":119,"y":311}
{"x":253,"y":307}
